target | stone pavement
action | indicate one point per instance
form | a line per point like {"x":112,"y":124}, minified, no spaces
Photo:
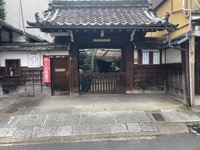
{"x":91,"y":117}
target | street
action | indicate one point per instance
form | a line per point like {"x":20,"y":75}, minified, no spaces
{"x":165,"y":142}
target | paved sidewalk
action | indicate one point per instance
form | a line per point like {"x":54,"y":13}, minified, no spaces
{"x":36,"y":119}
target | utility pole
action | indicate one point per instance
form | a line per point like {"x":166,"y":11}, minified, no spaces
{"x":191,"y":59}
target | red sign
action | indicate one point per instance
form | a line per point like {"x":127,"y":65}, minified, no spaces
{"x":46,"y":69}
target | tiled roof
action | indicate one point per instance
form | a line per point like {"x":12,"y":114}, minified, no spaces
{"x":104,"y":17}
{"x":10,"y":27}
{"x":84,"y":14}
{"x":20,"y":32}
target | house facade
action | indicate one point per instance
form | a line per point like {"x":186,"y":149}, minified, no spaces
{"x":22,"y":49}
{"x":19,"y":11}
{"x":184,"y":40}
{"x":153,"y":49}
{"x":21,"y":61}
{"x":110,"y":24}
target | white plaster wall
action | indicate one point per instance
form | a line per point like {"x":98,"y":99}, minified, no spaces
{"x":135,"y":56}
{"x":30,"y":7}
{"x":14,"y":55}
{"x":173,"y":56}
{"x":23,"y":56}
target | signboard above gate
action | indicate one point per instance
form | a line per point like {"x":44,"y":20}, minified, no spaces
{"x":46,"y":69}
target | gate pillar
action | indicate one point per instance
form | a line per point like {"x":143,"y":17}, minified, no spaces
{"x":74,"y":73}
{"x":128,"y":62}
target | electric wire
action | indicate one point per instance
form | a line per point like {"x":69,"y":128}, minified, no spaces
{"x":21,"y":9}
{"x":197,"y":3}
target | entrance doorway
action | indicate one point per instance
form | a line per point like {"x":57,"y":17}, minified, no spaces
{"x":60,"y":76}
{"x":102,"y":70}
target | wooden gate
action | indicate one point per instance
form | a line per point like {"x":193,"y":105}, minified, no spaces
{"x":106,"y":83}
{"x":60,"y":75}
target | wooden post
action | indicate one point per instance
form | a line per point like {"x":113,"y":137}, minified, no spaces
{"x":184,"y":79}
{"x":192,"y":69}
{"x":129,"y":62}
{"x":191,"y":59}
{"x":74,"y":73}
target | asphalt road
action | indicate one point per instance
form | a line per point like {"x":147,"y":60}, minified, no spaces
{"x":170,"y":142}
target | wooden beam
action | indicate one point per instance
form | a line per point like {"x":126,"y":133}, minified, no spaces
{"x":0,"y":35}
{"x":137,"y":28}
{"x":129,"y":62}
{"x":10,"y":36}
{"x":192,"y":70}
{"x":148,"y":45}
{"x":114,"y":45}
{"x":184,"y":80}
{"x":74,"y":73}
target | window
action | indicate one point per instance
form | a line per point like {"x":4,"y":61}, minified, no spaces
{"x":156,"y":57}
{"x":145,"y":57}
{"x":150,"y":57}
{"x":12,"y":67}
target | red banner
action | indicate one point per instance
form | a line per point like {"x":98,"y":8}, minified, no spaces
{"x":46,"y":69}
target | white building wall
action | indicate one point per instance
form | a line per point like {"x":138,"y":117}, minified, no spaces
{"x":14,"y":55}
{"x":173,"y":56}
{"x":23,"y":56}
{"x":29,"y":7}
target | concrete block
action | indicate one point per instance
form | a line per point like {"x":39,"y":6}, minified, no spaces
{"x":7,"y":132}
{"x":97,"y":118}
{"x":180,"y":116}
{"x":64,"y":131}
{"x":118,"y":128}
{"x":148,"y":127}
{"x":28,"y":121}
{"x":91,"y":129}
{"x":23,"y":133}
{"x":4,"y":121}
{"x":47,"y":131}
{"x":133,"y":117}
{"x":133,"y":127}
{"x":62,"y":119}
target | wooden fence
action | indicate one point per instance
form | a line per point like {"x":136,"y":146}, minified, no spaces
{"x":107,"y":83}
{"x":149,"y":77}
{"x":28,"y":83}
{"x":165,"y":77}
{"x":174,"y":82}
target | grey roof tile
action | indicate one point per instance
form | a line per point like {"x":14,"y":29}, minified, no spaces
{"x":101,"y":13}
{"x":127,"y":16}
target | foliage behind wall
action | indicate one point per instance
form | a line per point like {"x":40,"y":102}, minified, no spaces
{"x":2,"y":10}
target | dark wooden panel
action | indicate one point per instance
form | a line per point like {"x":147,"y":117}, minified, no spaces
{"x":106,"y":83}
{"x":149,"y":77}
{"x":60,"y":78}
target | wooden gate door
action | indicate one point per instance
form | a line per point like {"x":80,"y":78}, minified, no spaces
{"x":105,"y":83}
{"x":60,"y":75}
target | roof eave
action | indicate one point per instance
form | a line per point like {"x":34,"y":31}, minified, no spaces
{"x":150,"y":28}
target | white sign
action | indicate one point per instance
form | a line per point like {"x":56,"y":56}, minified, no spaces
{"x":34,"y":60}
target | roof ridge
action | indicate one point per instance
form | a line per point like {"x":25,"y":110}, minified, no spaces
{"x":101,"y":3}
